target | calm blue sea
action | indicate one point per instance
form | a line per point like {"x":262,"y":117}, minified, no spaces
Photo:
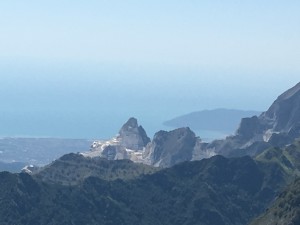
{"x":84,"y":101}
{"x":69,"y":101}
{"x":80,"y":123}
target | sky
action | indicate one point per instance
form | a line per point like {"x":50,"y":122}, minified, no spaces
{"x":111,"y":59}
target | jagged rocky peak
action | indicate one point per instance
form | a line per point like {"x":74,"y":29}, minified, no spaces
{"x":170,"y":147}
{"x":283,"y":116}
{"x":278,"y":126}
{"x":133,"y":136}
{"x":128,"y":144}
{"x":166,"y":149}
{"x":284,"y":113}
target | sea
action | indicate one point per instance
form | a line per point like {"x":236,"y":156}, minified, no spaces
{"x":83,"y":124}
{"x":93,"y":102}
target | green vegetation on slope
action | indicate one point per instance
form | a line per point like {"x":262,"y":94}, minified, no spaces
{"x":287,"y":158}
{"x":72,"y":169}
{"x":285,"y":210}
{"x":215,"y":191}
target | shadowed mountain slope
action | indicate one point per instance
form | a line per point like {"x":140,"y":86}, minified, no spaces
{"x":188,"y":193}
{"x":286,"y":208}
{"x":72,"y":169}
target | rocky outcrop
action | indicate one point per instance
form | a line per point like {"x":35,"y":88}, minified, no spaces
{"x":249,"y":128}
{"x":172,"y":147}
{"x":278,"y":126}
{"x":132,"y":136}
{"x":281,"y":119}
{"x":165,"y":150}
{"x":30,"y":169}
{"x":128,"y":144}
{"x":284,"y":114}
{"x":169,"y":148}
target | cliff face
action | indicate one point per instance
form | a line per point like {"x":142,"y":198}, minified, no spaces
{"x":128,"y":144}
{"x":278,"y":126}
{"x":165,"y":150}
{"x":284,"y":113}
{"x":283,"y":117}
{"x":132,"y":136}
{"x":169,"y":148}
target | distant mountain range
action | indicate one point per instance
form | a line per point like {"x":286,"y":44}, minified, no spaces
{"x":175,"y":178}
{"x":222,"y":120}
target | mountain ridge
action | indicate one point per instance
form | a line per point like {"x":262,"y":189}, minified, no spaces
{"x":73,"y":169}
{"x":188,"y":193}
{"x":84,"y":188}
{"x":278,"y":126}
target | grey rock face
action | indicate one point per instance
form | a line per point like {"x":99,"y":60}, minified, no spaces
{"x":132,"y":135}
{"x":170,"y":148}
{"x":110,"y":152}
{"x":283,"y":117}
{"x":278,"y":126}
{"x":249,"y":127}
{"x":128,"y":144}
{"x":166,"y":149}
{"x":284,"y":113}
{"x":30,"y":169}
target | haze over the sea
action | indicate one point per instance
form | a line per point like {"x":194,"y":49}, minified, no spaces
{"x":80,"y":69}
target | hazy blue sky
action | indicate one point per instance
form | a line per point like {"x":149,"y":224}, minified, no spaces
{"x":230,"y":33}
{"x":153,"y":59}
